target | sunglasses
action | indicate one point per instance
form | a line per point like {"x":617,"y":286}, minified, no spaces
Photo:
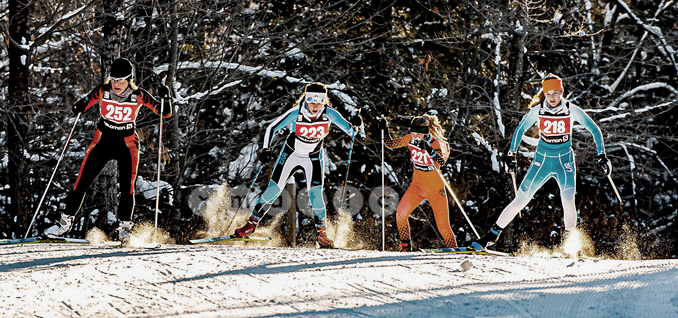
{"x":316,"y":98}
{"x":119,"y":79}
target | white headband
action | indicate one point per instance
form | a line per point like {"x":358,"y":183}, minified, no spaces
{"x":314,"y":97}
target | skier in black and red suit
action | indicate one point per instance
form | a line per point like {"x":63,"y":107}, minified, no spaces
{"x":119,"y":101}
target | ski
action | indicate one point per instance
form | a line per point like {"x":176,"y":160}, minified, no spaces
{"x":38,"y":240}
{"x":228,"y":238}
{"x":56,"y":240}
{"x":18,"y":241}
{"x":465,"y":250}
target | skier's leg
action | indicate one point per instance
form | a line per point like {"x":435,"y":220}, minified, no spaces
{"x":281,"y":172}
{"x":566,"y":182}
{"x":410,"y":200}
{"x":441,"y":212}
{"x":128,"y":162}
{"x":283,"y":168}
{"x":536,"y":176}
{"x":95,"y":159}
{"x":315,"y":179}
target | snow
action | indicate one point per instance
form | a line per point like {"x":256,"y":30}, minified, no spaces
{"x":259,"y":281}
{"x":481,"y":141}
{"x":495,"y":99}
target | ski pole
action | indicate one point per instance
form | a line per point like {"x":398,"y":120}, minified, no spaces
{"x":68,"y":139}
{"x":383,"y":208}
{"x":348,"y":168}
{"x":515,"y":189}
{"x":456,"y":200}
{"x":614,"y":187}
{"x":157,"y":188}
{"x":245,"y":197}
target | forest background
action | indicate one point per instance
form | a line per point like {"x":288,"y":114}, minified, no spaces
{"x":234,"y":66}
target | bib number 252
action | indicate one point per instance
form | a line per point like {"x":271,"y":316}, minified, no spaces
{"x":118,"y":113}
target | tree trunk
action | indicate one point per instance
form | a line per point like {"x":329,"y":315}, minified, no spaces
{"x":18,"y":115}
{"x":174,"y":173}
{"x":516,"y":66}
{"x":112,"y":30}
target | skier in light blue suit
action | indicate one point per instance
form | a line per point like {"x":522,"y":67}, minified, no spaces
{"x":303,"y":150}
{"x":553,"y":157}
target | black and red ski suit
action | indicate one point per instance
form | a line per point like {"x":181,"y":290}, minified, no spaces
{"x":114,"y":139}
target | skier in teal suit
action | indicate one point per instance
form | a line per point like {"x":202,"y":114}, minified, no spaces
{"x":553,"y":158}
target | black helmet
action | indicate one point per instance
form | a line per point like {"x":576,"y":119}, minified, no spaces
{"x":122,"y":68}
{"x":316,"y":87}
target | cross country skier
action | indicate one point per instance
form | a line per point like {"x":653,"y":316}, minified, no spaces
{"x":119,"y":102}
{"x":428,"y":151}
{"x":553,"y":157}
{"x":310,"y":118}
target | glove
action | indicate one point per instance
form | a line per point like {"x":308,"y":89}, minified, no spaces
{"x":264,"y":156}
{"x":422,"y":144}
{"x":605,"y":164}
{"x":511,"y":162}
{"x":356,"y":121}
{"x":383,"y":123}
{"x":163,"y":91}
{"x":80,"y":105}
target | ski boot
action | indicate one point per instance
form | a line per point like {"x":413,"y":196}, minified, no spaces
{"x":323,"y":240}
{"x":248,"y":228}
{"x":405,"y":246}
{"x":488,"y":239}
{"x":124,"y":231}
{"x":64,"y":226}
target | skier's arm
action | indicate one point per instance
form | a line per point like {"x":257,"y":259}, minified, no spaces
{"x":528,"y":120}
{"x":340,"y":121}
{"x":149,"y":101}
{"x":287,"y":118}
{"x":396,"y":143}
{"x":91,"y":99}
{"x":440,"y":156}
{"x":583,"y":118}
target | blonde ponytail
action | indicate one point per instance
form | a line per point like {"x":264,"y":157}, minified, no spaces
{"x":434,"y":127}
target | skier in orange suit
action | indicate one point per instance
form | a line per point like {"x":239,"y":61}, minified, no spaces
{"x":428,"y":151}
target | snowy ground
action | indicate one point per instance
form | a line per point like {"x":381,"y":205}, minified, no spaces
{"x":70,"y":280}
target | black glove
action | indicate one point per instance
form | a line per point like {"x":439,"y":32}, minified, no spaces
{"x":356,"y":120}
{"x":80,"y":105}
{"x":264,"y":156}
{"x":511,"y":162}
{"x":383,"y":123}
{"x":605,"y":164}
{"x":423,"y":144}
{"x":163,"y":91}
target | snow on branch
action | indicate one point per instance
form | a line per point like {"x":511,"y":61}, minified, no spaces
{"x":632,"y":166}
{"x":645,"y":87}
{"x":493,"y":152}
{"x":197,"y":96}
{"x":624,"y":145}
{"x":637,"y":111}
{"x":46,"y":31}
{"x":254,"y":70}
{"x":654,"y":30}
{"x":495,"y":100}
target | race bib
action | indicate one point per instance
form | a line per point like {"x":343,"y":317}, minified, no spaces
{"x":555,"y":130}
{"x":420,"y":156}
{"x":312,"y":130}
{"x":118,"y":112}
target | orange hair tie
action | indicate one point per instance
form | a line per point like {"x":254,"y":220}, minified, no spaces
{"x":552,"y":84}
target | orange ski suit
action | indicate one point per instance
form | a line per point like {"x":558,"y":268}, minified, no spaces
{"x":426,"y":185}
